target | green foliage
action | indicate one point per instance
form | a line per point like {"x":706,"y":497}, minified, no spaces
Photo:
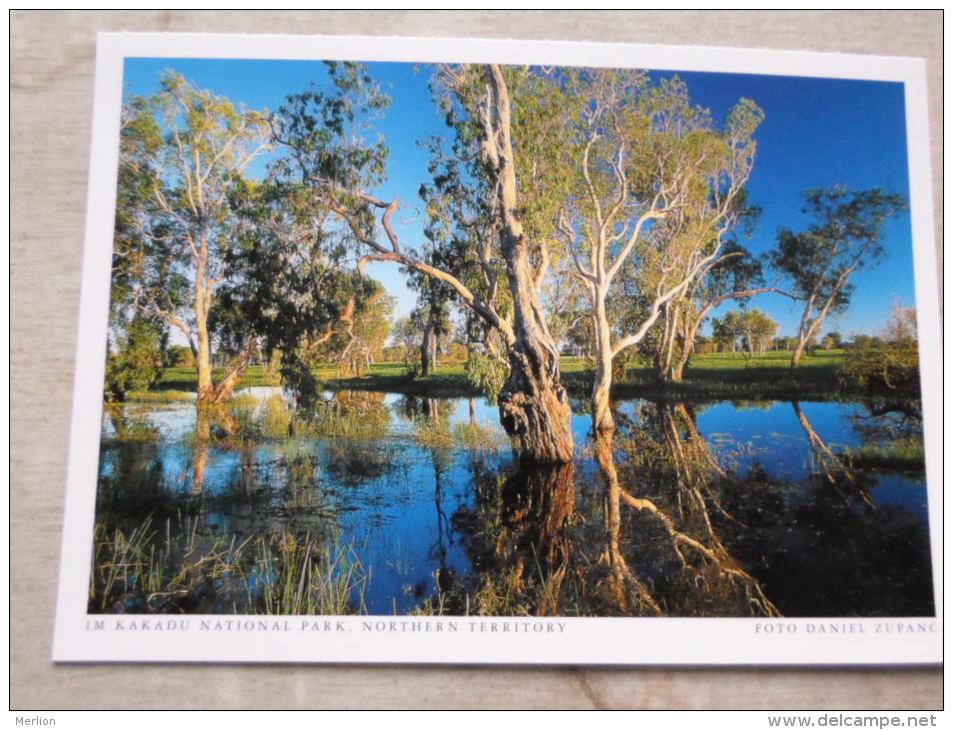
{"x":656,"y":192}
{"x":183,"y":152}
{"x":487,"y":375}
{"x":832,"y":341}
{"x":753,"y":328}
{"x":462,"y":228}
{"x":891,"y":364}
{"x":368,"y":331}
{"x":406,"y":336}
{"x":327,"y":131}
{"x":844,"y":237}
{"x":305,"y":298}
{"x":178,"y":356}
{"x":137,"y":363}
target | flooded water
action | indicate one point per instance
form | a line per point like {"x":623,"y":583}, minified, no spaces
{"x":735,"y":509}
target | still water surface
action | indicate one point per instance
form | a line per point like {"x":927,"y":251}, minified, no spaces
{"x":715,"y":509}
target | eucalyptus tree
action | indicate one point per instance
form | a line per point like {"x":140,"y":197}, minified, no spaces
{"x":759,"y":329}
{"x":430,"y":316}
{"x":845,"y":237}
{"x":832,"y":341}
{"x":183,"y":151}
{"x":326,"y":132}
{"x":509,"y":139}
{"x":734,"y":275}
{"x":293,"y":284}
{"x":727,"y":329}
{"x":405,"y":337}
{"x":752,"y":328}
{"x":461,"y":234}
{"x":658,"y":187}
{"x":367,"y":331}
{"x":137,"y":360}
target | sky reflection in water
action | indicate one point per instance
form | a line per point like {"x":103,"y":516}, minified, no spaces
{"x":412,"y":512}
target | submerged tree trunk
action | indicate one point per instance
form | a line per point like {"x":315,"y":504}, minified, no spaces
{"x":203,"y":355}
{"x":534,"y":405}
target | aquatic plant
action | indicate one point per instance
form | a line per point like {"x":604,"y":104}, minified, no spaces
{"x":189,"y":570}
{"x":479,"y":437}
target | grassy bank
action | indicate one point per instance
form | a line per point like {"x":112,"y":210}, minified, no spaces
{"x":720,"y":376}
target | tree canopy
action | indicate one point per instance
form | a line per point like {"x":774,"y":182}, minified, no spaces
{"x":597,"y":208}
{"x":844,"y":237}
{"x":183,"y":153}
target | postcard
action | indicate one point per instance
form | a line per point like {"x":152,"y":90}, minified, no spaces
{"x":467,"y":351}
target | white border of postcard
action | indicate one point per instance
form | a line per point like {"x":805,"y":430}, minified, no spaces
{"x":194,"y":638}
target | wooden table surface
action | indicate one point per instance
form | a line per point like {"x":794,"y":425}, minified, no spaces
{"x":51,"y":106}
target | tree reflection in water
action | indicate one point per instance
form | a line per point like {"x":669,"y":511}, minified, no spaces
{"x":829,"y":466}
{"x":668,"y":473}
{"x":647,"y":523}
{"x":519,"y":540}
{"x":646,"y":546}
{"x":828,"y":546}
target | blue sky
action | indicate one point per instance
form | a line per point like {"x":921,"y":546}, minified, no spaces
{"x":816,"y":133}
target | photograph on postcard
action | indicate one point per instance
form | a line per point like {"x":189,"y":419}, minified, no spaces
{"x":442,"y":341}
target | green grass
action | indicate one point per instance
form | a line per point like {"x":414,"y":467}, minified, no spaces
{"x":449,"y":381}
{"x":159,"y":396}
{"x":149,"y":570}
{"x":713,"y":376}
{"x":723,"y":377}
{"x":761,"y":377}
{"x":899,"y":456}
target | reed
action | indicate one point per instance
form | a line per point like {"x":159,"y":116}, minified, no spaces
{"x":182,"y":569}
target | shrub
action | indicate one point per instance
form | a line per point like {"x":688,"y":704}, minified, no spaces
{"x":891,"y":363}
{"x":891,"y":368}
{"x":137,"y":362}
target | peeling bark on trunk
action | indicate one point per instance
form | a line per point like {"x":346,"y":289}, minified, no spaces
{"x":602,"y":420}
{"x":534,"y":405}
